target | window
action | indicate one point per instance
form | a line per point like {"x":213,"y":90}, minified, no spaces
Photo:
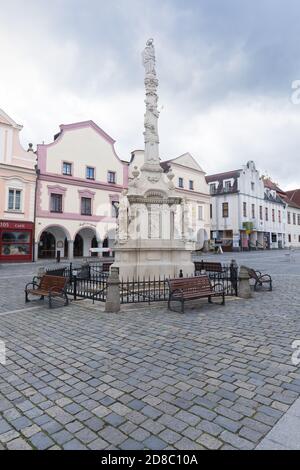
{"x":210,"y":210}
{"x":260,"y":212}
{"x":244,"y":209}
{"x":180,"y":182}
{"x":299,"y":238}
{"x":15,"y":243}
{"x":289,"y":238}
{"x":90,"y":173}
{"x":294,"y":218}
{"x":289,"y":217}
{"x":279,"y":217}
{"x":273,"y":215}
{"x":14,"y":199}
{"x":298,"y":219}
{"x":200,"y":213}
{"x":56,"y":203}
{"x":227,"y":186}
{"x":253,"y":211}
{"x":252,"y":186}
{"x":86,"y":206}
{"x":111,"y":177}
{"x":225,"y":209}
{"x":266,"y":214}
{"x":212,"y":188}
{"x":191,"y":185}
{"x":67,"y":168}
{"x":114,"y":208}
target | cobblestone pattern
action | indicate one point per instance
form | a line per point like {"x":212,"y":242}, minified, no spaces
{"x":214,"y":378}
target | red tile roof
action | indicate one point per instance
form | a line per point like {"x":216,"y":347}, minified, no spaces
{"x":293,"y":197}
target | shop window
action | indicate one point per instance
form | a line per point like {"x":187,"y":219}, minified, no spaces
{"x":15,"y":243}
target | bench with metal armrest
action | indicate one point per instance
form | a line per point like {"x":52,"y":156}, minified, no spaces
{"x":192,"y":288}
{"x":48,"y":286}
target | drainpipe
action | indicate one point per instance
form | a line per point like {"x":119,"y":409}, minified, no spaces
{"x":37,"y":172}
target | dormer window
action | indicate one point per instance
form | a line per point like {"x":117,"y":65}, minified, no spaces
{"x":227,"y":186}
{"x":212,"y":188}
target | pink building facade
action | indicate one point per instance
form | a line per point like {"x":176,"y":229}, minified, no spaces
{"x":17,"y":194}
{"x":80,"y":178}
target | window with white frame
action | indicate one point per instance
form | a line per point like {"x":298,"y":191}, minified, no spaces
{"x":212,"y":188}
{"x":227,"y":186}
{"x":14,"y":199}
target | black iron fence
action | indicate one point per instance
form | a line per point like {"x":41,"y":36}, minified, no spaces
{"x":90,"y":282}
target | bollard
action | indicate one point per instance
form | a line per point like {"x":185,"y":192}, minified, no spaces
{"x":244,"y":284}
{"x":112,"y":303}
{"x":234,"y":275}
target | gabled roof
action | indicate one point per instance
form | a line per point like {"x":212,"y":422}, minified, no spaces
{"x":268,"y":183}
{"x":186,"y":159}
{"x":6,"y":119}
{"x":82,"y":124}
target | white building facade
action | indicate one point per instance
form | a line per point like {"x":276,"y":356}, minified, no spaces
{"x":292,"y":199}
{"x":191,"y":186}
{"x":79,"y":183}
{"x":245,"y":212}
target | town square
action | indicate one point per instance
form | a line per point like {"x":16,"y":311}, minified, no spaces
{"x":149,"y":277}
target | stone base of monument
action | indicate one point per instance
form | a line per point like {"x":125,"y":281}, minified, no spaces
{"x":154,"y":258}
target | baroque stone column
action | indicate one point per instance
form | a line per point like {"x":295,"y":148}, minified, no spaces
{"x":151,"y":115}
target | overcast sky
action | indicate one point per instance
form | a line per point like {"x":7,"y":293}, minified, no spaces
{"x":225,"y":70}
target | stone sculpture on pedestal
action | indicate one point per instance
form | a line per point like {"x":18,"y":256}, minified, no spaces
{"x":153,"y":230}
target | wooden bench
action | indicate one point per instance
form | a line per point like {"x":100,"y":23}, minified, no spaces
{"x":191,"y":288}
{"x":208,"y":266}
{"x":259,"y":278}
{"x":48,"y":286}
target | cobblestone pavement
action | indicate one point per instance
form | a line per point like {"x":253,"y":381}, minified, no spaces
{"x":214,"y":378}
